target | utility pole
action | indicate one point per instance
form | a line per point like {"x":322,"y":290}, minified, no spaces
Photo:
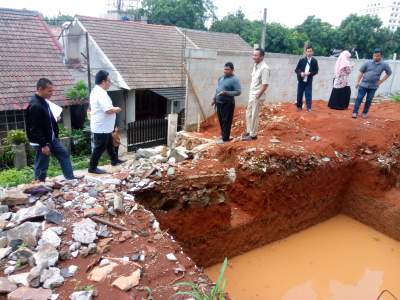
{"x":88,"y":63}
{"x":264,"y":30}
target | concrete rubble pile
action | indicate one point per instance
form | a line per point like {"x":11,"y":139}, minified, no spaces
{"x":43,"y":226}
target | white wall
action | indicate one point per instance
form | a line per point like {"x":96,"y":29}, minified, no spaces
{"x":205,"y":66}
{"x":130,"y":107}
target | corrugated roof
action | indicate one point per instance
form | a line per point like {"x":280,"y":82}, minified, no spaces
{"x":28,"y":51}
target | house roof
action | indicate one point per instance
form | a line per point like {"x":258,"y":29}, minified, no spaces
{"x":152,"y":56}
{"x":147,"y":56}
{"x":28,"y":51}
{"x":216,"y":40}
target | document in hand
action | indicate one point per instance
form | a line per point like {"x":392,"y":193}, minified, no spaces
{"x":55,"y":109}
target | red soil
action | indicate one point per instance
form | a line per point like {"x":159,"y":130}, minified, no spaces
{"x":292,"y":187}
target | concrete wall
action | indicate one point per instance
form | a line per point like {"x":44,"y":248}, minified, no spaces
{"x":205,"y":66}
{"x":130,"y":107}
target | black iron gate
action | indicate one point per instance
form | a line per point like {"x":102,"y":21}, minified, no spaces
{"x":147,"y":133}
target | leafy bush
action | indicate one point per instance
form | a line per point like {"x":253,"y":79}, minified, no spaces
{"x":13,"y":177}
{"x":79,"y":91}
{"x":6,"y":156}
{"x":63,"y":132}
{"x":80,"y":142}
{"x":16,"y":137}
{"x":216,"y":293}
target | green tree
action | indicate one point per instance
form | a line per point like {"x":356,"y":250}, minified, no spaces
{"x":282,"y":39}
{"x":364,"y":33}
{"x":322,"y":35}
{"x":237,"y":23}
{"x":58,"y":20}
{"x":183,"y":13}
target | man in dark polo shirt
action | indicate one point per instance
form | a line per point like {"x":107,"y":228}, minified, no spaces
{"x":370,"y":73}
{"x":228,"y":87}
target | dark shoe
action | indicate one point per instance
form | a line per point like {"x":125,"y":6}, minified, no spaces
{"x":97,"y":171}
{"x":299,"y":109}
{"x":254,"y":137}
{"x":118,"y":162}
{"x":354,"y":116}
{"x":245,"y":134}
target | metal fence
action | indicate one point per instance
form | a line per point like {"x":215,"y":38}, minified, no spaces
{"x":147,"y":133}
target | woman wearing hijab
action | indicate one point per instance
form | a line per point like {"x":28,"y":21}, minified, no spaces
{"x":340,"y":96}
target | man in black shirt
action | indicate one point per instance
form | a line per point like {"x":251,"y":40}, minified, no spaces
{"x":306,"y":69}
{"x":42,"y":132}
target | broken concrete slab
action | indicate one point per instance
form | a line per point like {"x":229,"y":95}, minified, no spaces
{"x":50,"y":237}
{"x":14,"y":197}
{"x":84,"y":231}
{"x":81,"y":295}
{"x":46,"y":256}
{"x":28,"y":232}
{"x":6,"y":286}
{"x":19,"y":279}
{"x":51,"y":278}
{"x":100,"y":273}
{"x":125,"y":283}
{"x":24,"y":293}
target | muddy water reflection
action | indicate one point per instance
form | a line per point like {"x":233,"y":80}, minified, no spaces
{"x":339,"y":259}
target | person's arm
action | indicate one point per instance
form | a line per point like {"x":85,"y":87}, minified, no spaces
{"x":107,"y":107}
{"x":363,"y":69}
{"x":298,"y":70}
{"x":265,"y":80}
{"x":113,"y":110}
{"x":358,"y":79}
{"x":388,"y":72}
{"x":237,"y":89}
{"x":214,"y":99}
{"x":315,"y":72}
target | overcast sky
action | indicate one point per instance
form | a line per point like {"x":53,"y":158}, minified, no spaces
{"x":288,"y":12}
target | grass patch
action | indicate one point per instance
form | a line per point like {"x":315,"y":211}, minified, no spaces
{"x":396,"y":98}
{"x":13,"y":177}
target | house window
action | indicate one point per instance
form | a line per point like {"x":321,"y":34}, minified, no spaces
{"x":11,"y":119}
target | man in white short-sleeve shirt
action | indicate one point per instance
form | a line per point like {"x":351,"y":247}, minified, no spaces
{"x":260,"y":80}
{"x":102,"y":122}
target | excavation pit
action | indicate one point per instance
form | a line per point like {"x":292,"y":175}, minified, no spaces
{"x":304,"y":170}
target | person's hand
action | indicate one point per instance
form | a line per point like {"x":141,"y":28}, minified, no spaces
{"x":302,"y":74}
{"x":258,"y":95}
{"x":308,"y":73}
{"x":222,"y":93}
{"x":357,"y":85}
{"x":379,"y":82}
{"x":213,"y":102}
{"x":46,"y":150}
{"x":117,"y":110}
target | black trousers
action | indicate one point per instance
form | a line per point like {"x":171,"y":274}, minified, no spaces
{"x":102,"y":142}
{"x":306,"y":89}
{"x":225,"y":116}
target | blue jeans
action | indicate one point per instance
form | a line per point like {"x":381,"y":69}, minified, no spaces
{"x":42,"y":161}
{"x":361,"y":94}
{"x":304,"y":88}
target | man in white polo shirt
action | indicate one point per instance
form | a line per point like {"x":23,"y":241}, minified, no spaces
{"x":102,"y":122}
{"x":260,"y":79}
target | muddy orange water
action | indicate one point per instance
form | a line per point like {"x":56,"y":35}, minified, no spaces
{"x":340,"y":259}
